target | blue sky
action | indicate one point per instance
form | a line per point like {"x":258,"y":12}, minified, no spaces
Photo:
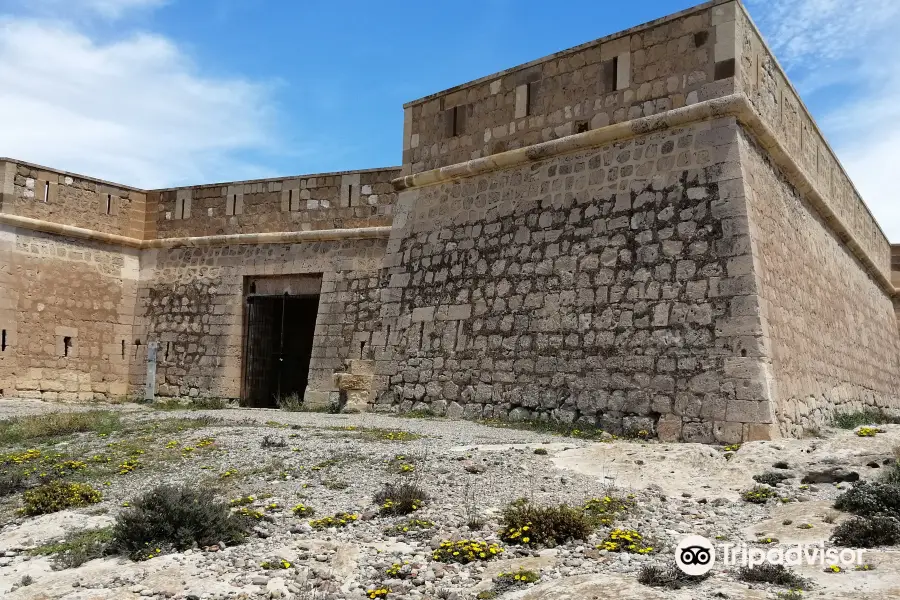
{"x":167,"y":92}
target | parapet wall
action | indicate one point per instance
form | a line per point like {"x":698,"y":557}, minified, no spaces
{"x":348,"y":199}
{"x":665,"y":64}
{"x":763,"y":81}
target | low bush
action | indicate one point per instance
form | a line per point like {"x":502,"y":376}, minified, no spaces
{"x":338,"y":520}
{"x":410,"y":527}
{"x":606,"y":509}
{"x":400,"y":498}
{"x":870,"y":498}
{"x":291,"y":403}
{"x":504,"y":582}
{"x":465,"y":551}
{"x":176,"y":517}
{"x":774,"y":574}
{"x":771,"y":478}
{"x":869,"y":416}
{"x":670,"y":577}
{"x":867,"y":532}
{"x":21,"y":429}
{"x":77,"y":549}
{"x":11,"y":482}
{"x":523,"y":523}
{"x":625,"y":540}
{"x":302,"y":510}
{"x":59,"y":495}
{"x":759,"y":494}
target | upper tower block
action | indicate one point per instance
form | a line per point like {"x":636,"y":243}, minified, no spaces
{"x":667,"y":63}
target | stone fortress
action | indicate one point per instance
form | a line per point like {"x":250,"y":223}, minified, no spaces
{"x":644,"y":232}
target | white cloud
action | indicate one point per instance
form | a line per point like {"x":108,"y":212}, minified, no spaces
{"x":109,"y":9}
{"x":134,"y":110}
{"x":848,"y":51}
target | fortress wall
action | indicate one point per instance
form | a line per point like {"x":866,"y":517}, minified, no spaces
{"x":831,"y":331}
{"x":646,"y":70}
{"x":60,"y":197}
{"x":611,"y":286}
{"x":325,"y":201}
{"x":763,"y":81}
{"x":191,"y":301}
{"x":66,"y":317}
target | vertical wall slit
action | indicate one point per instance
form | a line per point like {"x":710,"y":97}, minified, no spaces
{"x":46,"y":190}
{"x":67,"y":343}
{"x":108,"y":203}
{"x":3,"y":341}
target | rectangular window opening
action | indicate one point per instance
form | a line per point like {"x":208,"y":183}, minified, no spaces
{"x":67,"y":344}
{"x":350,"y":194}
{"x":529,"y":99}
{"x":3,"y":341}
{"x":46,"y":190}
{"x":615,"y":73}
{"x":457,"y":118}
{"x":291,"y":206}
{"x":108,"y":203}
{"x":123,"y":349}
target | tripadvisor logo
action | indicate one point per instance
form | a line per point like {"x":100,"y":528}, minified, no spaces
{"x":695,"y":555}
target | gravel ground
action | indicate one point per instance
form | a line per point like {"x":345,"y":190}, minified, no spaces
{"x":335,"y":463}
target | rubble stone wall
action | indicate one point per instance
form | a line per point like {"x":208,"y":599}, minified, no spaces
{"x":66,"y":317}
{"x":191,"y":301}
{"x":612,"y":286}
{"x":831,"y":330}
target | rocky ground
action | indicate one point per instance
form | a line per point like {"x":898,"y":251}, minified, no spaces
{"x":335,"y":463}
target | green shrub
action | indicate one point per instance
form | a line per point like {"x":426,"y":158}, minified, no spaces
{"x":625,"y":540}
{"x":540,"y":451}
{"x":867,"y":532}
{"x":340,"y":519}
{"x":891,"y":475}
{"x":11,"y":482}
{"x":670,"y":577}
{"x":175,"y":517}
{"x":77,"y":549}
{"x":465,"y":551}
{"x":870,"y":498}
{"x":59,"y":495}
{"x":758,"y":495}
{"x":774,"y":574}
{"x":771,"y":478}
{"x":21,"y":429}
{"x":400,"y":498}
{"x":605,"y":510}
{"x":209,"y":404}
{"x":525,"y":524}
{"x":867,"y":416}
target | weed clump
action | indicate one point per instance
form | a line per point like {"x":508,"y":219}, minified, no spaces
{"x":465,"y":551}
{"x":410,"y":527}
{"x":20,"y":429}
{"x":59,"y":495}
{"x":606,"y":509}
{"x":302,"y":510}
{"x":670,"y":577}
{"x":525,"y":524}
{"x":175,"y":517}
{"x":775,"y":574}
{"x":625,"y":540}
{"x":771,"y":478}
{"x":77,"y":549}
{"x":400,"y":498}
{"x":868,"y":416}
{"x":291,"y":403}
{"x":338,"y":520}
{"x":759,"y":494}
{"x":867,"y":532}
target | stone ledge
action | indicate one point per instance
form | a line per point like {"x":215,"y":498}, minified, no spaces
{"x":281,"y":237}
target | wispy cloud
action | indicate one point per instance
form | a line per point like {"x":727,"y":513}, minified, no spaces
{"x":109,"y":9}
{"x":135,"y":110}
{"x":846,"y":56}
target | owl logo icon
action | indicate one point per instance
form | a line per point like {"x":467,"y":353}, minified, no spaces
{"x":695,"y":555}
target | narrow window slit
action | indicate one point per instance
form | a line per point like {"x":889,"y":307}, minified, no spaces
{"x":123,"y":349}
{"x":3,"y":341}
{"x":67,"y":343}
{"x":108,"y":203}
{"x":46,"y":190}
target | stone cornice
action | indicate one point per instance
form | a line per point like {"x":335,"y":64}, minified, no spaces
{"x":734,"y":105}
{"x":281,"y":237}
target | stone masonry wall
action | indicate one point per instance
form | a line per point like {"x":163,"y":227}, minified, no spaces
{"x":643,"y":71}
{"x":59,"y":197}
{"x":763,"y":81}
{"x":831,"y":330}
{"x":609,"y":287}
{"x":66,"y":317}
{"x":192,"y":302}
{"x":325,"y":201}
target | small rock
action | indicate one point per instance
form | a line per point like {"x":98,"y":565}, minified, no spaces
{"x":830,"y":475}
